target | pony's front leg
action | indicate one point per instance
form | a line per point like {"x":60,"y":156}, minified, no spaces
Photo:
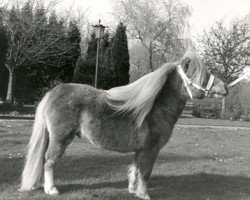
{"x":132,"y":178}
{"x":144,"y":160}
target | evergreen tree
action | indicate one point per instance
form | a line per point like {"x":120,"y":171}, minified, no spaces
{"x":27,"y":14}
{"x":40,"y":16}
{"x":77,"y":71}
{"x":104,"y":64}
{"x":53,"y":22}
{"x":113,"y":68}
{"x":110,"y":70}
{"x":40,"y":21}
{"x":3,"y":70}
{"x":55,"y":63}
{"x":38,"y":70}
{"x":74,"y":39}
{"x":120,"y":55}
{"x":23,"y":87}
{"x":85,"y":68}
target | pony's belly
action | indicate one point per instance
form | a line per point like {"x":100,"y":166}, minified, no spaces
{"x":114,"y":134}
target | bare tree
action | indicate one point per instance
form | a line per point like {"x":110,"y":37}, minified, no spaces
{"x":226,"y":49}
{"x":157,"y":24}
{"x":33,"y":40}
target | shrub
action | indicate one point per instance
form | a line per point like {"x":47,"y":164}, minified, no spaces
{"x":237,"y":102}
{"x":15,"y":110}
{"x":207,"y":108}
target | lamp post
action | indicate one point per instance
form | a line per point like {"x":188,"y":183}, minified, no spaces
{"x":99,"y":32}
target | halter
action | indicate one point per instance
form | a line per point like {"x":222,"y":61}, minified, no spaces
{"x":188,"y":82}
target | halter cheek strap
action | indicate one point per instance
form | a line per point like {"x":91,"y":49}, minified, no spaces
{"x":209,"y":84}
{"x":185,"y":79}
{"x":188,"y":82}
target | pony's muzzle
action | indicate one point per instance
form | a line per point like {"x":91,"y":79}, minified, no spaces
{"x":219,"y":90}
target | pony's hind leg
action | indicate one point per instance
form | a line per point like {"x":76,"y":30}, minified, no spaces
{"x":145,"y":160}
{"x":55,"y":150}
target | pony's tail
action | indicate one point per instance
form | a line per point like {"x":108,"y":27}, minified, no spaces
{"x":33,"y":168}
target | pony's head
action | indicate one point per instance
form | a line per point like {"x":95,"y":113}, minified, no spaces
{"x":199,"y":82}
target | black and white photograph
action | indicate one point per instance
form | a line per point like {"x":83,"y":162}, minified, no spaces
{"x":124,"y":99}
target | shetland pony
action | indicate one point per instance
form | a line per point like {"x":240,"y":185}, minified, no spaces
{"x":138,"y":117}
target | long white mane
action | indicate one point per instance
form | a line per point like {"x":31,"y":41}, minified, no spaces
{"x":138,"y":97}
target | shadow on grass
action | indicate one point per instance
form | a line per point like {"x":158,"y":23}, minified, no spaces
{"x":200,"y":186}
{"x":103,"y":163}
{"x":88,"y":166}
{"x":10,"y":170}
{"x":68,"y":188}
{"x":194,"y":186}
{"x":68,"y":168}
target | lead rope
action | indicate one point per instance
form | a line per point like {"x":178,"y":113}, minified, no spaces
{"x":244,"y":76}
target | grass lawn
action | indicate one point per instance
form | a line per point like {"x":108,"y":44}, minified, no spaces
{"x":196,"y":164}
{"x":213,"y":122}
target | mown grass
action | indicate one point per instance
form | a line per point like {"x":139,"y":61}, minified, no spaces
{"x":197,"y":163}
{"x":213,"y":122}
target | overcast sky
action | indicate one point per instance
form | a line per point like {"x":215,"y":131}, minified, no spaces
{"x":204,"y":14}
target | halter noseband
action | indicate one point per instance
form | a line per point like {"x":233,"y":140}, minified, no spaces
{"x":188,"y":82}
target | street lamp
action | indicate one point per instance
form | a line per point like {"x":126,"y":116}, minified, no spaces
{"x":99,"y":32}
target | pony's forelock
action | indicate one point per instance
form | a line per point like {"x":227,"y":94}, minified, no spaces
{"x":198,"y":70}
{"x":138,"y":97}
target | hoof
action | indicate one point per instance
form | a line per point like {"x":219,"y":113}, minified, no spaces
{"x":143,"y":196}
{"x":52,"y":191}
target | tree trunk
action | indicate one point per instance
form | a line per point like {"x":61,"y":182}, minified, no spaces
{"x":9,"y":98}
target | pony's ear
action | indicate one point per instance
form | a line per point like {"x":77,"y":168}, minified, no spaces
{"x":185,"y":63}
